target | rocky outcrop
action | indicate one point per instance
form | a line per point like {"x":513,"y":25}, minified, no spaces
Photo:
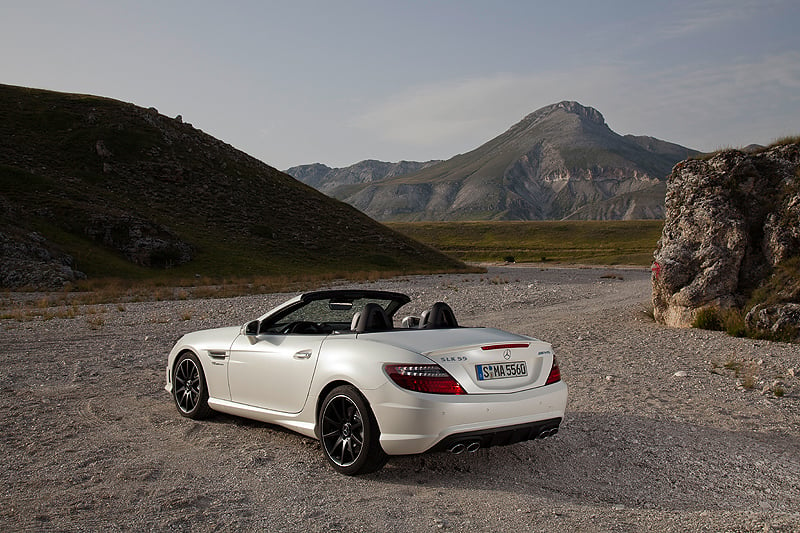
{"x":30,"y":261}
{"x":775,"y":318}
{"x":140,"y":241}
{"x":730,"y":220}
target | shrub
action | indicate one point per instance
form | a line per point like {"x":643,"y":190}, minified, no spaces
{"x":749,"y":375}
{"x":708,"y":318}
{"x":733,"y":323}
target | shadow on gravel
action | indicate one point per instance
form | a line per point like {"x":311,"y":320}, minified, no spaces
{"x":625,"y":460}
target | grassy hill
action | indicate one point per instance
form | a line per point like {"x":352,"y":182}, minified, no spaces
{"x":128,"y":192}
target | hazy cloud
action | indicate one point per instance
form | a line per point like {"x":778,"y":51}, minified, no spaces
{"x":704,"y":15}
{"x":690,"y":104}
{"x":338,"y":82}
{"x":436,"y":113}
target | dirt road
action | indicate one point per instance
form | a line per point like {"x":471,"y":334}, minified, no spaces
{"x":666,"y":429}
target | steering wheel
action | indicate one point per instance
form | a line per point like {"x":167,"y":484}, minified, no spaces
{"x":301,"y":326}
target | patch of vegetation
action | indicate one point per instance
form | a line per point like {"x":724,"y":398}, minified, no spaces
{"x":781,"y":141}
{"x":708,"y":318}
{"x":67,"y":302}
{"x":744,"y":371}
{"x":592,"y":242}
{"x":781,"y":287}
{"x":749,"y":374}
{"x":732,"y":322}
{"x":714,"y":319}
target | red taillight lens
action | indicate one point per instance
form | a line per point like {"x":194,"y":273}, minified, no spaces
{"x":555,"y":373}
{"x":424,"y":378}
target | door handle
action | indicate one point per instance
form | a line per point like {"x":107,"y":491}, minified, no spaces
{"x":302,"y":354}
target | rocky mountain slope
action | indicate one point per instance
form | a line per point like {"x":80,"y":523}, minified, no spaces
{"x":100,"y":187}
{"x":327,"y":179}
{"x":562,"y":161}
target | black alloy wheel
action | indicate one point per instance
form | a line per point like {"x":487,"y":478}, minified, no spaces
{"x":189,"y":387}
{"x":349,"y":433}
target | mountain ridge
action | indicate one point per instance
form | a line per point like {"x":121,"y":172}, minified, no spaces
{"x":552,"y":164}
{"x":326,"y":179}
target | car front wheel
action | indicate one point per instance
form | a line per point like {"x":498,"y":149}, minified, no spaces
{"x":349,"y":433}
{"x":189,"y":387}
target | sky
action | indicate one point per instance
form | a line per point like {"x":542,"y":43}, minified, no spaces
{"x":337,"y":82}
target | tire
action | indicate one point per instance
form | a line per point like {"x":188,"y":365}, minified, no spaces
{"x":189,"y":388}
{"x":349,"y":433}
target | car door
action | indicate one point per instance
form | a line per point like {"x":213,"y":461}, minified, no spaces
{"x":273,"y":371}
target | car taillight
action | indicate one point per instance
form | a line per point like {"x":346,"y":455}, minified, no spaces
{"x":424,"y":378}
{"x":555,"y":373}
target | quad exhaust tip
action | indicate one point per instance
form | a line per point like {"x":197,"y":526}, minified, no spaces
{"x":465,"y":446}
{"x":457,"y":448}
{"x":473,"y":446}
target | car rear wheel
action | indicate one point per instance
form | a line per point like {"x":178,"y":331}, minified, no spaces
{"x":189,"y":387}
{"x":349,"y":433}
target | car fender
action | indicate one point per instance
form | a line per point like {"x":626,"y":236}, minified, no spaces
{"x":358,"y":360}
{"x":212,"y":348}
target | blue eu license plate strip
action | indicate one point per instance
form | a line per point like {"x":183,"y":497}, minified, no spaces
{"x":513,"y":369}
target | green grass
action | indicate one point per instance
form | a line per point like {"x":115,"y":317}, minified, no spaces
{"x":781,"y":287}
{"x":572,"y":242}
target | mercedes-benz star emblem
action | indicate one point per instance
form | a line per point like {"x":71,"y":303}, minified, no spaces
{"x":507,"y":354}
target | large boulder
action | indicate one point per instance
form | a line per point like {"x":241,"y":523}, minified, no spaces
{"x":729,"y":220}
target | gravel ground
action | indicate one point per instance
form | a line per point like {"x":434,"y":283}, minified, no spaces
{"x":666,"y":429}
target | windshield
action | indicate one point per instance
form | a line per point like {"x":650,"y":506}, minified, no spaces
{"x":326,"y":315}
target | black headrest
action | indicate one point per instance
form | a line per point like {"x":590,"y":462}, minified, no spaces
{"x":440,"y":316}
{"x":373,"y":318}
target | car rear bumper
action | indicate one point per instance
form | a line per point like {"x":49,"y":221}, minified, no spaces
{"x":473,"y":440}
{"x":412,"y":422}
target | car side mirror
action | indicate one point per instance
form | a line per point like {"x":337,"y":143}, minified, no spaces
{"x":250,"y":329}
{"x":410,"y":322}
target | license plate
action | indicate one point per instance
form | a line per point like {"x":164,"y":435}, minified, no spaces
{"x":513,"y":369}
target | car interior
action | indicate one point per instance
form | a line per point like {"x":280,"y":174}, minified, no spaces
{"x":373,"y":318}
{"x":370,"y":319}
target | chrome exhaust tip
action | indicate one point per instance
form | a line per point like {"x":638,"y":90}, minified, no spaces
{"x":473,"y":447}
{"x":457,"y":448}
{"x":548,"y":433}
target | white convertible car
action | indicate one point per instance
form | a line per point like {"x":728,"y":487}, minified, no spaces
{"x":338,"y":366}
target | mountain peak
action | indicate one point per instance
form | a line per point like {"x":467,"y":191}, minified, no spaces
{"x":589,"y":113}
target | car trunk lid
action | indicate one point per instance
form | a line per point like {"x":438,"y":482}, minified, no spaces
{"x":482,"y":360}
{"x":501,"y":366}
